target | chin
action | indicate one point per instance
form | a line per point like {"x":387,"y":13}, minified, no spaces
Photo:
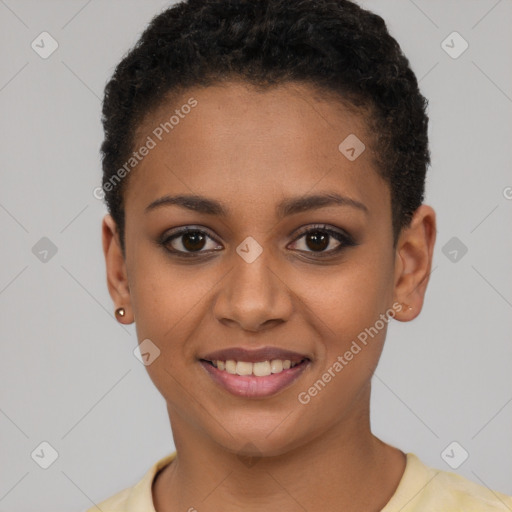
{"x":262,"y":442}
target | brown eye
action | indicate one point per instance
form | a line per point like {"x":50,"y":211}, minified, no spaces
{"x":322,"y":240}
{"x":317,"y":240}
{"x":193,"y":241}
{"x":188,"y":241}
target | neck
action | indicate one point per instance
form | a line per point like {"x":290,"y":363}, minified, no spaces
{"x":345,"y":468}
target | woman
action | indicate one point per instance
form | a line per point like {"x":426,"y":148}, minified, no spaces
{"x":264,"y":167}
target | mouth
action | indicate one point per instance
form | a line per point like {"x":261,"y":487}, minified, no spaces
{"x":257,"y":373}
{"x":256,"y":369}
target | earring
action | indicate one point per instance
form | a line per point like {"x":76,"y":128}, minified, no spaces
{"x":120,"y":313}
{"x":407,"y":305}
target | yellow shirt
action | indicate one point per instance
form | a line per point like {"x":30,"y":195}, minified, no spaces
{"x":421,"y":489}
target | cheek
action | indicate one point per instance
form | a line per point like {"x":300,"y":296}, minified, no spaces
{"x":351,"y":336}
{"x":350,"y":296}
{"x":169,"y":312}
{"x":167,"y":299}
{"x":345,"y":308}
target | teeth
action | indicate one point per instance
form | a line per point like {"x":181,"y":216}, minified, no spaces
{"x":258,"y":369}
{"x":276,"y":366}
{"x":243,"y":368}
{"x":261,"y":369}
{"x":230,"y":366}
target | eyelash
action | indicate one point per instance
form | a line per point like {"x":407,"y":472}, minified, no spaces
{"x":344,"y":239}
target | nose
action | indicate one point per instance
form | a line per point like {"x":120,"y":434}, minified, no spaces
{"x":254,"y":296}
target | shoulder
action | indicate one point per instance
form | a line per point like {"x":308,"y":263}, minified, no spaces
{"x":425,"y":489}
{"x":464,"y":494}
{"x":138,"y":497}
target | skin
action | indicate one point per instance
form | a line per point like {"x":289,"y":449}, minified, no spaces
{"x":250,"y":150}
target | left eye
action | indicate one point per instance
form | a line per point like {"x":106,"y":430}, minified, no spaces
{"x":319,"y":239}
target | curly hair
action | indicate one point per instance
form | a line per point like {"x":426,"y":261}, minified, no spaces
{"x":333,"y":45}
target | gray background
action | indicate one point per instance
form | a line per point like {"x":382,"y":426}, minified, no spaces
{"x":69,"y":376}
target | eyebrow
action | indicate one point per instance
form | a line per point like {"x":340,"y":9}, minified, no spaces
{"x":287,"y":207}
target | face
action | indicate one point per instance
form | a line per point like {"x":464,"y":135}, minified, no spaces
{"x":288,"y":257}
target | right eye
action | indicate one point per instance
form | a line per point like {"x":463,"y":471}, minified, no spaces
{"x":187,"y":242}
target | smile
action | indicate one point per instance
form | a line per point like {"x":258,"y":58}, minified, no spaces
{"x":258,"y":369}
{"x":254,"y":379}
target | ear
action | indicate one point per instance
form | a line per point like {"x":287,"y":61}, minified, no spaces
{"x":413,"y":262}
{"x":117,"y":277}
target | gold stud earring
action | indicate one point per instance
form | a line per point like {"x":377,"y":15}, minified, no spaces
{"x":120,"y":313}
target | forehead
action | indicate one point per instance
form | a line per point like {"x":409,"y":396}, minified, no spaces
{"x":250,"y":146}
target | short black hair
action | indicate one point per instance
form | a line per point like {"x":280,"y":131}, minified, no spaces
{"x":333,"y":45}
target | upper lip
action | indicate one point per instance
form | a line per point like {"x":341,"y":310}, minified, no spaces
{"x":254,"y":355}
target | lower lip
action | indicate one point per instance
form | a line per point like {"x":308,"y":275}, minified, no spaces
{"x":250,"y":386}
